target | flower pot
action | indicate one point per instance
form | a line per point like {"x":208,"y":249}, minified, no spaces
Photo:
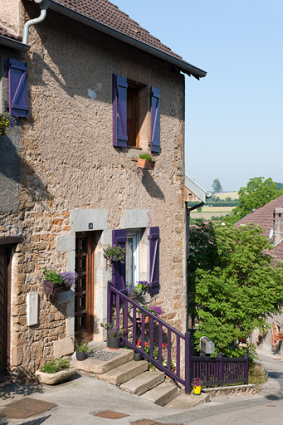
{"x":52,"y":288}
{"x":137,"y":357}
{"x":113,"y":342}
{"x":54,"y":378}
{"x":146,"y":164}
{"x":80,"y":355}
{"x":197,"y":390}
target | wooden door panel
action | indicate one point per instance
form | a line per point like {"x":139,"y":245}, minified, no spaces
{"x":84,"y":287}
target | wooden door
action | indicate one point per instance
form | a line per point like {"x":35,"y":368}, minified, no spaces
{"x":84,"y":288}
{"x":4,"y":311}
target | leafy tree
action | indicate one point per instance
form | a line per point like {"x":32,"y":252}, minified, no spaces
{"x":279,"y":185}
{"x":233,"y":285}
{"x":257,"y":193}
{"x":216,"y":186}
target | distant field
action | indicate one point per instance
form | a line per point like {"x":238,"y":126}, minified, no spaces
{"x":217,"y":209}
{"x":223,"y":195}
{"x":207,"y":215}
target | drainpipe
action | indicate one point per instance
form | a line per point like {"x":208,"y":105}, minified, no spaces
{"x":43,"y":6}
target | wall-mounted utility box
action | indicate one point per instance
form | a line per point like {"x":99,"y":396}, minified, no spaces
{"x":32,"y":308}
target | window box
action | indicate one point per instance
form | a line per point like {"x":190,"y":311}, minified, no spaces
{"x":146,"y":164}
{"x":52,"y":288}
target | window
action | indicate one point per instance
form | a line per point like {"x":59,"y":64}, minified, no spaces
{"x":130,"y":112}
{"x":139,"y":246}
{"x":132,"y":259}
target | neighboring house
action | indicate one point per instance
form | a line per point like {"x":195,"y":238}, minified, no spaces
{"x":270,"y":217}
{"x":91,"y":91}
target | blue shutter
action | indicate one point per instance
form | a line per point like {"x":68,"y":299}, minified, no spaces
{"x":119,"y":237}
{"x":154,"y":259}
{"x":18,"y":95}
{"x":120,"y":86}
{"x":155,"y":120}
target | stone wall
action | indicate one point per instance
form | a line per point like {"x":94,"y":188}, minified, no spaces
{"x":69,"y":164}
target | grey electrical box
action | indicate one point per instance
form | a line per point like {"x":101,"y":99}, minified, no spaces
{"x":206,"y":345}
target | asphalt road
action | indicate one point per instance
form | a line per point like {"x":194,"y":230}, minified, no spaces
{"x":265,"y":408}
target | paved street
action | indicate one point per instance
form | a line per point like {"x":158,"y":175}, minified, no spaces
{"x":78,"y":401}
{"x":265,"y":408}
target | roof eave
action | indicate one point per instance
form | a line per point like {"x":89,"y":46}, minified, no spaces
{"x":13,"y":44}
{"x":183,"y":66}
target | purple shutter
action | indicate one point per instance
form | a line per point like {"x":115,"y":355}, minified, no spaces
{"x":155,"y":120}
{"x":120,"y":86}
{"x":154,"y":259}
{"x":119,"y":237}
{"x":18,"y":94}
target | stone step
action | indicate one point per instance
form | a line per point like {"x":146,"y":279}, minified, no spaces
{"x":162,"y":394}
{"x":124,"y":373}
{"x":98,"y":367}
{"x":144,"y":382}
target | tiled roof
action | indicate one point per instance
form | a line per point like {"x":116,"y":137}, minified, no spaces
{"x":263,"y":216}
{"x":110,"y":15}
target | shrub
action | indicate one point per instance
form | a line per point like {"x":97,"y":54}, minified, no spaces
{"x":145,"y":156}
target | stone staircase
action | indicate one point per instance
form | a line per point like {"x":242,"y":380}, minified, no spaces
{"x":131,"y":376}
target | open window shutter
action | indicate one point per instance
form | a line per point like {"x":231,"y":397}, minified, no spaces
{"x":155,"y":120}
{"x":18,"y":95}
{"x":120,"y":86}
{"x":154,"y":259}
{"x":119,"y":270}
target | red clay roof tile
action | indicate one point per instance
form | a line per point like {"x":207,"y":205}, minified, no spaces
{"x":110,"y":15}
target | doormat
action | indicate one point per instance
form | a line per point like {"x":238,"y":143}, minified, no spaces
{"x":108,"y":414}
{"x":24,"y":408}
{"x":101,"y":355}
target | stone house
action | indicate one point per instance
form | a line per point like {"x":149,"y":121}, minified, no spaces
{"x":270,"y":217}
{"x":91,"y":90}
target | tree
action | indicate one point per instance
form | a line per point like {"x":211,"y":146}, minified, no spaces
{"x":279,"y":185}
{"x":233,"y":285}
{"x":257,"y":193}
{"x":216,"y":186}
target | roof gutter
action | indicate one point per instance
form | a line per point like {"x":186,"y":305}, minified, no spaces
{"x":183,"y":66}
{"x":13,"y":44}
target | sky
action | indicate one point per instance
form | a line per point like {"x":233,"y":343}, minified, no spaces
{"x":234,"y":122}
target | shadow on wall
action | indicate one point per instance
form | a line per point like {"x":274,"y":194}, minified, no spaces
{"x":16,"y":172}
{"x":152,"y":188}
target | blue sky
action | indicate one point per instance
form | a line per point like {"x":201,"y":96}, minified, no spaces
{"x":234,"y":125}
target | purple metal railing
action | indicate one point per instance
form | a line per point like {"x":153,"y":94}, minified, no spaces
{"x":211,"y":370}
{"x":220,"y":370}
{"x":182,"y":341}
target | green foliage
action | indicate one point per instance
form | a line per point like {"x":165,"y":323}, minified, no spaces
{"x":53,"y":276}
{"x":145,"y":156}
{"x":233,"y":287}
{"x":55,"y":366}
{"x":216,"y":186}
{"x":257,"y":193}
{"x":114,"y":253}
{"x":279,"y":186}
{"x":81,"y":347}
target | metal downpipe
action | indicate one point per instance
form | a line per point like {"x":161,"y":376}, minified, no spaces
{"x":44,"y":6}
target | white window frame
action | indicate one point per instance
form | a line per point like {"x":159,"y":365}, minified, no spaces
{"x":136,"y":256}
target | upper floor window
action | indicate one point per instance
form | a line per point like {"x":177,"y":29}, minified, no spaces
{"x":18,"y":98}
{"x":131,"y":112}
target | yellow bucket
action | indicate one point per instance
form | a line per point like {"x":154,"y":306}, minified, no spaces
{"x":197,"y":390}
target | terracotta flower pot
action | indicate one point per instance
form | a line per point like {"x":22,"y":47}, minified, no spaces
{"x":52,"y":288}
{"x":146,"y":164}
